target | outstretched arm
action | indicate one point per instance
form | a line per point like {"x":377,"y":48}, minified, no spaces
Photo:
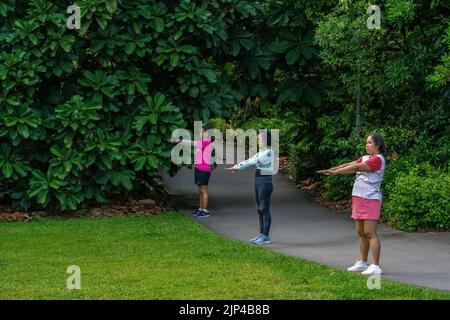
{"x":356,"y":167}
{"x":244,"y":164}
{"x":342,"y":166}
{"x":261,"y":157}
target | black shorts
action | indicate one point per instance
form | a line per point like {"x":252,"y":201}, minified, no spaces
{"x":201,"y":177}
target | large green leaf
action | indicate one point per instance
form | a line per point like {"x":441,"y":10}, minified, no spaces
{"x":129,"y":47}
{"x":312,"y":96}
{"x":159,"y":25}
{"x":111,"y":5}
{"x":7,"y":169}
{"x":209,"y":74}
{"x":23,"y":130}
{"x":293,"y":56}
{"x":174,"y":58}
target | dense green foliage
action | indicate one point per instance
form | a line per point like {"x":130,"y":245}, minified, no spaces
{"x":402,"y":72}
{"x":400,"y":92}
{"x":405,"y":96}
{"x":88,"y":112}
{"x":285,"y":130}
{"x":419,"y":199}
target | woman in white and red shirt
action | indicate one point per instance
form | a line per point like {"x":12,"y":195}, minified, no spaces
{"x":366,"y":200}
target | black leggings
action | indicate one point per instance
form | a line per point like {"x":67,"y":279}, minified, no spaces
{"x":263,"y":191}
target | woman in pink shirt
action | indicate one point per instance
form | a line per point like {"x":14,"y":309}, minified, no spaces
{"x":366,"y":200}
{"x":202,"y":170}
{"x":202,"y":173}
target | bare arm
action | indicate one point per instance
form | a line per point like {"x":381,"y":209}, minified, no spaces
{"x":344,"y":165}
{"x":353,"y":168}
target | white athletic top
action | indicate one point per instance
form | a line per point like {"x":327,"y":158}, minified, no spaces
{"x":368,"y":184}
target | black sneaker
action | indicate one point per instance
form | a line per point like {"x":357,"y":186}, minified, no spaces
{"x":196,"y":212}
{"x":203,"y":214}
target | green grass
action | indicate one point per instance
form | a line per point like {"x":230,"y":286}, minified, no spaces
{"x":165,"y":257}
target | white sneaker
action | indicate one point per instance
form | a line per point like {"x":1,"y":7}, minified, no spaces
{"x":358,"y":266}
{"x":372,"y":269}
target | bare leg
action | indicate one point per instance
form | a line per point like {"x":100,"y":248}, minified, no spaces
{"x":205,"y":197}
{"x":370,"y":229}
{"x":200,"y":196}
{"x":363,"y":240}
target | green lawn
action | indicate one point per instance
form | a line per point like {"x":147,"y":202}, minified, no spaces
{"x":165,"y":257}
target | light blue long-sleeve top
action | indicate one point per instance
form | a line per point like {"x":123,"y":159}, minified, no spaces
{"x":263,"y":160}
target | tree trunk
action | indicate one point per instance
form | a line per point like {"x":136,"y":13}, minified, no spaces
{"x":358,"y":106}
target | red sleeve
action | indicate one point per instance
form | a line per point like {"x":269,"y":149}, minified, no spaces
{"x":359,"y":160}
{"x":374,"y":163}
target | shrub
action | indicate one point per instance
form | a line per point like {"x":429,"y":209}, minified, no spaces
{"x":419,"y":200}
{"x":394,"y":168}
{"x":338,"y":187}
{"x":302,"y":159}
{"x":87,"y":112}
{"x":285,"y":130}
{"x":399,"y":140}
{"x":219,"y":124}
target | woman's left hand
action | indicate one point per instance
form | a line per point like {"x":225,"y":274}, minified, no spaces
{"x":327,"y":172}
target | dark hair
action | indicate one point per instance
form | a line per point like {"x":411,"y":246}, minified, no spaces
{"x":268,"y":136}
{"x":379,"y":141}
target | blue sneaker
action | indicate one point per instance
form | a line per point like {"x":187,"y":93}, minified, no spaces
{"x":263,"y":240}
{"x":252,"y":240}
{"x":202,"y":214}
{"x":196,"y":212}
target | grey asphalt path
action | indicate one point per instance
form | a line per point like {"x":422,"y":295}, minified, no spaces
{"x":308,"y":230}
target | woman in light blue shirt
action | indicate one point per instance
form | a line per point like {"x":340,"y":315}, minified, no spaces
{"x":264,"y":162}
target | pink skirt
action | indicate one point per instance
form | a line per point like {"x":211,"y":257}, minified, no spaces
{"x":365,"y":209}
